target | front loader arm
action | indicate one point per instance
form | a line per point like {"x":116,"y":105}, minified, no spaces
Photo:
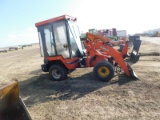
{"x":101,"y":43}
{"x":94,"y":38}
{"x":117,"y":56}
{"x":97,"y":37}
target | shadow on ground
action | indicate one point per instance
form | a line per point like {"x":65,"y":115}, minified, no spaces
{"x":40,"y":89}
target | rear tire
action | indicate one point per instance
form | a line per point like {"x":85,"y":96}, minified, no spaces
{"x":57,"y":72}
{"x":104,"y":71}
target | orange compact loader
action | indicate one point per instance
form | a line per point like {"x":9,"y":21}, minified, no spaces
{"x":64,"y":50}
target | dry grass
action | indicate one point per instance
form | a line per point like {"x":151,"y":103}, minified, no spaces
{"x":81,"y":96}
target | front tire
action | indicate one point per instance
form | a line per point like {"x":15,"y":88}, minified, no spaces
{"x":57,"y":72}
{"x":104,"y":71}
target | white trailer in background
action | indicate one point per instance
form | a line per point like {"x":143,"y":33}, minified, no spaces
{"x":121,"y":34}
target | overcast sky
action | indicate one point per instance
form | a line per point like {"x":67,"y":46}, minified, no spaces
{"x":18,"y":17}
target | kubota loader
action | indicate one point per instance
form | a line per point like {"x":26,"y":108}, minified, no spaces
{"x":64,"y":51}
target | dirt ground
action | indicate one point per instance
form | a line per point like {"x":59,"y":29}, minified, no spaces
{"x":81,"y":96}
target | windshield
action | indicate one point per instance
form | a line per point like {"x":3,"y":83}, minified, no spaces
{"x":76,"y":34}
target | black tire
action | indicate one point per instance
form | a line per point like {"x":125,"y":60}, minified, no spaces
{"x":103,"y":71}
{"x":57,"y":72}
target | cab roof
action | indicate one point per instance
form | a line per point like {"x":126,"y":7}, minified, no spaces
{"x":63,"y":17}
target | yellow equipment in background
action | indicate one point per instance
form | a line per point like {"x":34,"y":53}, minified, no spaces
{"x":11,"y":105}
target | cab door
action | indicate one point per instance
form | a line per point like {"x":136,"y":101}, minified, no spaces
{"x":60,"y":37}
{"x":46,"y":41}
{"x":49,"y":42}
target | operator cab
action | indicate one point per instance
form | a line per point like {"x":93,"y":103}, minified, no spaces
{"x":59,"y":37}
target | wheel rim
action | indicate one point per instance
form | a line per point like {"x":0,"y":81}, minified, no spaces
{"x":103,"y":71}
{"x":56,"y":73}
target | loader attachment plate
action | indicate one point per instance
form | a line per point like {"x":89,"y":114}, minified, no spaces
{"x":136,"y":42}
{"x":11,"y":105}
